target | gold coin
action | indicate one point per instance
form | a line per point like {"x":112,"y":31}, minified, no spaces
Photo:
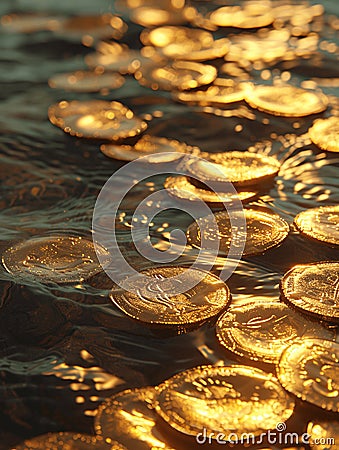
{"x":240,"y":399}
{"x":239,"y":168}
{"x":323,"y":435}
{"x":325,"y":133}
{"x":320,"y":223}
{"x":181,"y":188}
{"x":180,"y":75}
{"x":151,"y":146}
{"x":156,"y":304}
{"x":60,"y":259}
{"x":264,"y":230}
{"x":29,"y":23}
{"x":252,"y":15}
{"x":286,"y":100}
{"x":68,"y":441}
{"x":154,"y":15}
{"x":310,"y":370}
{"x":86,"y":81}
{"x":262,"y":330}
{"x":96,"y":119}
{"x":130,"y":418}
{"x":314,"y":288}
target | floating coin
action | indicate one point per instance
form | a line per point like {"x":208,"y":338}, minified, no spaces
{"x":157,"y":304}
{"x":252,"y":15}
{"x":286,"y":100}
{"x":60,"y":259}
{"x":264,"y":230}
{"x":310,"y":370}
{"x":86,"y":81}
{"x":68,"y":441}
{"x":237,"y":399}
{"x":323,"y":435}
{"x":152,"y":146}
{"x":156,"y":15}
{"x":129,"y":417}
{"x":262,"y":330}
{"x":239,"y":168}
{"x":325,"y":134}
{"x":180,"y":75}
{"x":320,"y":223}
{"x":314,"y":288}
{"x":181,"y":188}
{"x":30,"y":23}
{"x":96,"y":119}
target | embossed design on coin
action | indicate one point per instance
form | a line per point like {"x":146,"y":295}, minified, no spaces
{"x":314,"y":288}
{"x":223,"y":399}
{"x":310,"y":370}
{"x":60,"y":259}
{"x":325,"y":133}
{"x":320,"y":223}
{"x":86,"y":81}
{"x":156,"y":304}
{"x":262,"y":330}
{"x":264,"y":230}
{"x":323,"y":434}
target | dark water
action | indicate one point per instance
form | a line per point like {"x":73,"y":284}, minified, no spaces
{"x":64,"y":349}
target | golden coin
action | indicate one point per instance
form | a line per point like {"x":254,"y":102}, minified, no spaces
{"x":286,"y":100}
{"x":310,"y":370}
{"x":237,"y":399}
{"x":68,"y":441}
{"x":29,"y":23}
{"x":151,"y":146}
{"x":323,"y":435}
{"x":60,"y":259}
{"x":154,"y":15}
{"x":157,"y":304}
{"x":325,"y":133}
{"x":181,"y":188}
{"x":262,"y":330}
{"x":320,"y":223}
{"x":180,"y":75}
{"x":239,"y":168}
{"x":86,"y":81}
{"x":96,"y":119}
{"x":251,"y":15}
{"x":130,"y":418}
{"x":264,"y":230}
{"x":314,"y":288}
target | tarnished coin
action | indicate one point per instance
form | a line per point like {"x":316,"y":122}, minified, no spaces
{"x":157,"y":304}
{"x":180,"y":75}
{"x":314,"y":288}
{"x":262,"y":330}
{"x":286,"y":100}
{"x":323,"y":435}
{"x":30,"y":23}
{"x":227,"y":400}
{"x":264,"y":230}
{"x":310,"y":370}
{"x":96,"y":119}
{"x":239,"y":168}
{"x":68,"y":441}
{"x":60,"y":259}
{"x":325,"y":133}
{"x":130,"y":418}
{"x":86,"y":81}
{"x":181,"y":188}
{"x":320,"y":223}
{"x":253,"y":14}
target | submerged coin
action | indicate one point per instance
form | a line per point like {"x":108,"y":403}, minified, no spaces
{"x":262,"y":330}
{"x":60,"y":259}
{"x":325,"y":133}
{"x":96,"y":119}
{"x":310,"y":370}
{"x":155,"y":302}
{"x":228,"y":400}
{"x":320,"y":223}
{"x":323,"y":435}
{"x":264,"y":230}
{"x":129,"y":417}
{"x":180,"y":75}
{"x":314,"y":288}
{"x":251,"y":15}
{"x":86,"y":81}
{"x":286,"y":100}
